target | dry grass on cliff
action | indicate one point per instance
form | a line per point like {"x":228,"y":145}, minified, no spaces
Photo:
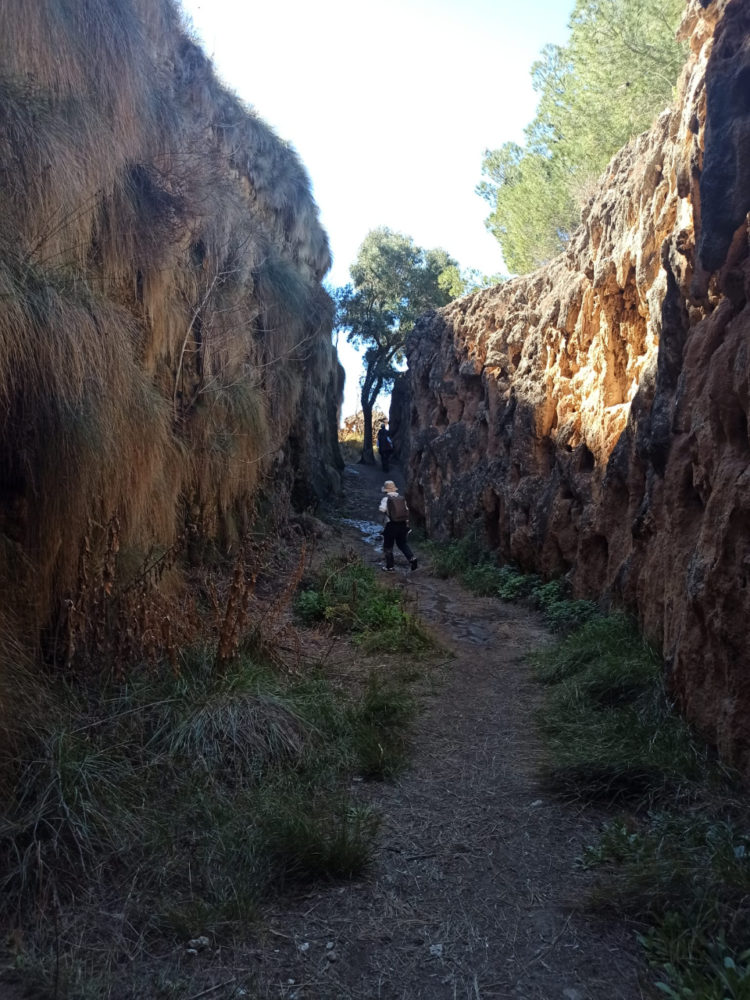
{"x":351,"y":447}
{"x":75,"y":412}
{"x":81,"y":90}
{"x":160,"y":314}
{"x":160,"y":302}
{"x":22,"y":705}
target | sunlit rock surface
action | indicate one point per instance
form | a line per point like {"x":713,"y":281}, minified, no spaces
{"x":592,"y":416}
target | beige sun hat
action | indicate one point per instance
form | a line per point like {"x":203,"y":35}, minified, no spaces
{"x":389,"y":486}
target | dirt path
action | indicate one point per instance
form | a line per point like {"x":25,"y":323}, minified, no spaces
{"x":475,"y":892}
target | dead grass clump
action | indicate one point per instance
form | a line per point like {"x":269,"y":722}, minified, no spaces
{"x":75,"y":412}
{"x":229,"y":437}
{"x":241,"y":731}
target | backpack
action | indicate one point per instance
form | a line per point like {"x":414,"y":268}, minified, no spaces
{"x":397,"y":509}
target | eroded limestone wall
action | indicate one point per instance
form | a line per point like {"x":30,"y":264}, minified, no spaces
{"x":592,"y":416}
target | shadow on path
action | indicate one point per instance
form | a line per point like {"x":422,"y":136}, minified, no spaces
{"x":476,"y":892}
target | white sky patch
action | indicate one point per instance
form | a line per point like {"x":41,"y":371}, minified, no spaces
{"x":390,"y":107}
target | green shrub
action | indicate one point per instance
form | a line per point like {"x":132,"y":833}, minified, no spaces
{"x":347,"y":596}
{"x":561,"y":613}
{"x":686,"y":876}
{"x":457,"y":556}
{"x":514,"y":585}
{"x":310,"y":607}
{"x":568,"y":616}
{"x":547,"y":595}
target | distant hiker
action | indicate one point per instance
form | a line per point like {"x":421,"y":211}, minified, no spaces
{"x":396,"y":525}
{"x":385,"y":446}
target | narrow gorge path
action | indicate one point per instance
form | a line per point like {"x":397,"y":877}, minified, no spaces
{"x":475,"y":891}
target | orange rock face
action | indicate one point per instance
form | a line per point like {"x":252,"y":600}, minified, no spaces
{"x":592,"y":416}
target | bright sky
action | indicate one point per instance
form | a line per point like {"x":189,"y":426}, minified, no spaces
{"x":390,"y":106}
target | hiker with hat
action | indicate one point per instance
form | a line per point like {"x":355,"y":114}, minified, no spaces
{"x":396,"y":511}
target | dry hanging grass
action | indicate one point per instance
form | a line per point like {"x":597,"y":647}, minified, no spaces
{"x":163,"y":329}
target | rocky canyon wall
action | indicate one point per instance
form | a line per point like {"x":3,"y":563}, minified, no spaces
{"x":592,"y":417}
{"x":165,"y":348}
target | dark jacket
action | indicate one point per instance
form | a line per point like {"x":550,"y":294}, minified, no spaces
{"x":384,"y":441}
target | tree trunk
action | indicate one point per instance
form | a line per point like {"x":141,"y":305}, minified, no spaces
{"x":368,"y":455}
{"x":370,"y":390}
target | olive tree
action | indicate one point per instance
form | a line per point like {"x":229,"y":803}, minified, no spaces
{"x":393,"y":282}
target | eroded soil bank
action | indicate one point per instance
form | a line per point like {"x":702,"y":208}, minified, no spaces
{"x":475,"y":891}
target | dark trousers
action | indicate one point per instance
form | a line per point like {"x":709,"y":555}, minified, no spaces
{"x":385,"y":458}
{"x":396,"y":532}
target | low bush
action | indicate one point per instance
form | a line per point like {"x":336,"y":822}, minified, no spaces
{"x":514,"y":585}
{"x":347,"y":597}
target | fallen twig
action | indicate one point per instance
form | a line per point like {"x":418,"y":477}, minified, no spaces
{"x":213,"y":989}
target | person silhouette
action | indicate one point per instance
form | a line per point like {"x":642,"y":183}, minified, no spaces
{"x":385,"y":446}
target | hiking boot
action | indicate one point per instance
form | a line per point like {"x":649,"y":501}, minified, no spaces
{"x":414,"y":564}
{"x":388,"y":569}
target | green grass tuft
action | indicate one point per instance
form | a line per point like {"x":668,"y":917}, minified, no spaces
{"x":610,"y":726}
{"x":455,"y":557}
{"x":179,"y":802}
{"x":678,"y":862}
{"x":381,"y":723}
{"x":311,"y":832}
{"x":346,"y":596}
